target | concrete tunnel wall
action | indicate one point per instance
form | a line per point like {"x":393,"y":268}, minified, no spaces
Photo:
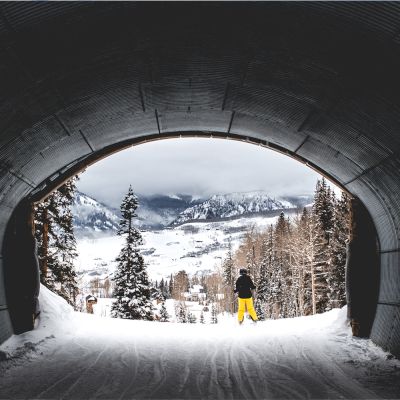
{"x":318,"y":79}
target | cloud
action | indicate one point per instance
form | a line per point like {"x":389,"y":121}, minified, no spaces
{"x":200,"y":167}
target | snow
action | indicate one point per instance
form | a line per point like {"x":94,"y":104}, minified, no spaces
{"x":232,"y":205}
{"x":193,"y":247}
{"x":73,"y":355}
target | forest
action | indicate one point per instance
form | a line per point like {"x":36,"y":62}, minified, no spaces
{"x":297,"y":263}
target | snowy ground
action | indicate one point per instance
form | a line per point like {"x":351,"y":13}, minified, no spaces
{"x":191,"y":247}
{"x":103,"y":309}
{"x":80,"y":356}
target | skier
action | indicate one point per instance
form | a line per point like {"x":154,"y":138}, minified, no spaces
{"x":244,"y":286}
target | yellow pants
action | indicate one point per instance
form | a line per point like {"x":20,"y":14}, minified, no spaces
{"x":246,"y":303}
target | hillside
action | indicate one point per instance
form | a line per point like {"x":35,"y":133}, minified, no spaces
{"x":234,"y":205}
{"x":92,"y":217}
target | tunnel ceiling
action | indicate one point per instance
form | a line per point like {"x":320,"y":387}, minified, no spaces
{"x":320,"y":79}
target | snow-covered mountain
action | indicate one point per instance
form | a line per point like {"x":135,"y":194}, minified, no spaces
{"x":91,"y":217}
{"x":233,"y":205}
{"x":154,"y":212}
{"x":158,"y":211}
{"x":196,"y":246}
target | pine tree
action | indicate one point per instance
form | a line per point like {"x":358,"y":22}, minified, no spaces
{"x":191,"y":318}
{"x":171,"y":286}
{"x":228,"y":273}
{"x":260,"y":310}
{"x":202,"y":318}
{"x":181,"y":313}
{"x":164,"y":316}
{"x":317,"y":265}
{"x":155,"y":293}
{"x":323,"y":208}
{"x":300,"y":246}
{"x":163,"y":287}
{"x":56,"y":241}
{"x":45,"y":233}
{"x":214,"y":317}
{"x":251,"y":258}
{"x":299,"y":263}
{"x":282,"y":273}
{"x":322,"y":225}
{"x":132,"y":288}
{"x":264,"y":279}
{"x":336,"y":276}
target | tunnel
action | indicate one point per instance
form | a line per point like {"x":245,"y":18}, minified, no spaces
{"x":318,"y":81}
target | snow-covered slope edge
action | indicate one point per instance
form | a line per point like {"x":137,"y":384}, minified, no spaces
{"x":56,"y":316}
{"x":74,"y":355}
{"x":233,"y":205}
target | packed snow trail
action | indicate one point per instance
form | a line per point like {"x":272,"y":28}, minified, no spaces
{"x":80,"y":356}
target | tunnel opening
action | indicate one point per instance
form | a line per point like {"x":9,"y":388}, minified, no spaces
{"x":316,"y":78}
{"x":362,"y":269}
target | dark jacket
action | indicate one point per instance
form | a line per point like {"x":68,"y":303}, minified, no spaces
{"x":244,"y":284}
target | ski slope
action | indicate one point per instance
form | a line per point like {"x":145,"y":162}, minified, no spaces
{"x":81,"y":356}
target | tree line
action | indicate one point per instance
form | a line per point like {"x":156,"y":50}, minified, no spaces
{"x":297,"y":264}
{"x":56,"y":243}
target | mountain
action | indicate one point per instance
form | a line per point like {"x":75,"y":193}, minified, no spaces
{"x":91,"y":217}
{"x":154,"y":212}
{"x":299,"y":201}
{"x":196,"y":247}
{"x":228,"y":206}
{"x":158,"y":211}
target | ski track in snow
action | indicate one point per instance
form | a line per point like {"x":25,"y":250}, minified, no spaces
{"x":79,"y":356}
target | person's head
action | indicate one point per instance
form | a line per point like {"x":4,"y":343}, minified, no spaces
{"x":243,"y":271}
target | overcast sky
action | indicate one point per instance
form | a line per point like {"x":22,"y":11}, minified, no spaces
{"x":200,"y":167}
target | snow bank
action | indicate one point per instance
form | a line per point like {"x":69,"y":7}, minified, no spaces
{"x":73,"y":355}
{"x":56,"y":316}
{"x":55,"y":309}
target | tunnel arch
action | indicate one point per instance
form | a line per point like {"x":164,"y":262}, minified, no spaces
{"x":78,"y":166}
{"x":316,"y":80}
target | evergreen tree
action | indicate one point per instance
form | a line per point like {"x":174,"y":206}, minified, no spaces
{"x":317,"y":265}
{"x":322,"y":225}
{"x":214,"y":317}
{"x":155,"y":293}
{"x":191,"y":318}
{"x":299,"y":263}
{"x":164,"y":316}
{"x":264,"y":280}
{"x":340,"y":235}
{"x":229,"y":278}
{"x":181,"y":313}
{"x":281,"y":257}
{"x":163,"y":287}
{"x":251,"y":259}
{"x":260,"y":310}
{"x":301,"y":246}
{"x":323,"y":208}
{"x":56,"y":241}
{"x":202,"y":318}
{"x":171,"y":286}
{"x":45,"y":233}
{"x":132,"y":289}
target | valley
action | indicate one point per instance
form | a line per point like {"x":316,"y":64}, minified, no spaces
{"x":196,"y":244}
